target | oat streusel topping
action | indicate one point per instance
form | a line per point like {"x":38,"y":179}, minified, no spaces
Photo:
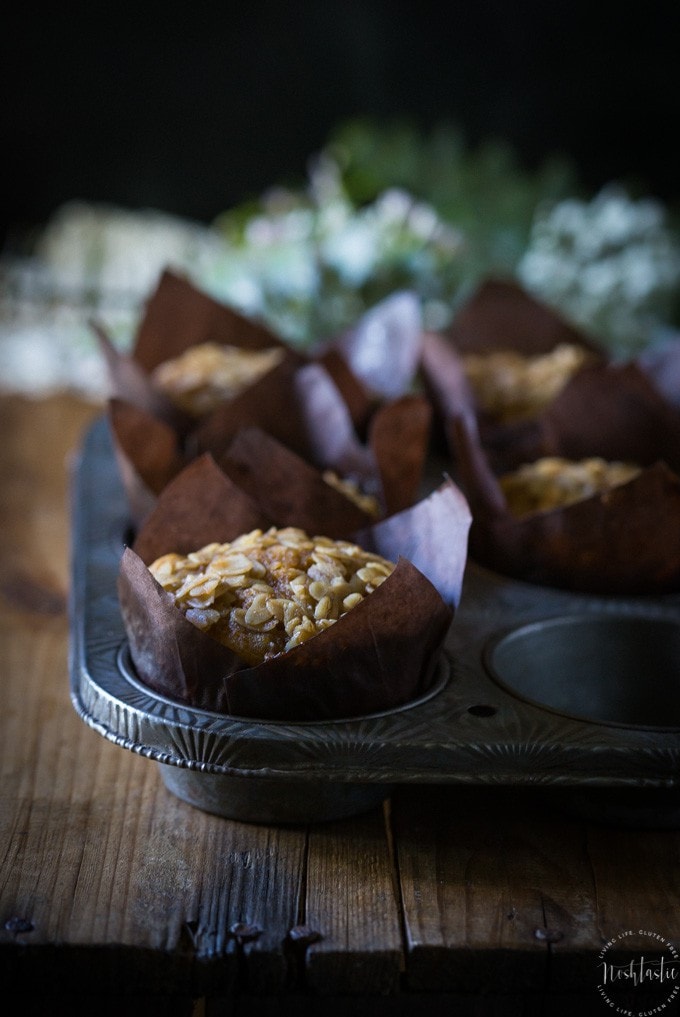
{"x":208,"y":374}
{"x":266,"y":592}
{"x":553,"y":482}
{"x":511,"y":386}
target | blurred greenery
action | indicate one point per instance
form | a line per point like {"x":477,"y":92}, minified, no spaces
{"x":484,"y":191}
{"x":383,"y":207}
{"x":388,"y":206}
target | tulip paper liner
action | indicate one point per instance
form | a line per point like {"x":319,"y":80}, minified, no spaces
{"x":380,"y":655}
{"x":624,"y":542}
{"x":178,"y":315}
{"x":612,"y":410}
{"x":294,"y":491}
{"x":390,"y":463}
{"x":661,"y":364}
{"x":374,"y":361}
{"x":501,"y":315}
{"x":383,"y":348}
{"x":303,"y":410}
{"x":451,"y":396}
{"x":148,"y":453}
{"x":270,"y":403}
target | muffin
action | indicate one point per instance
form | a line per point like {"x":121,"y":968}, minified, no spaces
{"x":591,"y":525}
{"x":610,"y":410}
{"x":208,"y":374}
{"x":353,"y":491}
{"x":199,"y":373}
{"x":510,"y":386}
{"x":553,"y":482}
{"x":184,"y":335}
{"x":266,"y":592}
{"x":227,"y":610}
{"x":505,"y":360}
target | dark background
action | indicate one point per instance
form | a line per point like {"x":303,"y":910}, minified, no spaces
{"x":192,"y":108}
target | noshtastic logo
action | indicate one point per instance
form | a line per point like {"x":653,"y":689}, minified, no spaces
{"x":638,"y":973}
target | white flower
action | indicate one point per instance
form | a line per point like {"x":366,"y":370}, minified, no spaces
{"x":353,"y":251}
{"x":612,"y":265}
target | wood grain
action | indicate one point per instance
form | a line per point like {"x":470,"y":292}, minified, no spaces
{"x":39,"y":437}
{"x":501,"y":891}
{"x":351,"y":902}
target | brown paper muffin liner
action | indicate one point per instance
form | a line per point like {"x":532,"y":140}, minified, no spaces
{"x":613,"y":410}
{"x":500,"y":316}
{"x":295,"y":492}
{"x":383,"y":348}
{"x":370,"y":363}
{"x":661,"y":364}
{"x":309,"y":423}
{"x":148,"y":453}
{"x":624,"y":542}
{"x":380,"y":655}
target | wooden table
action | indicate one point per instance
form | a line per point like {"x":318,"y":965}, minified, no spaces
{"x":117,"y":897}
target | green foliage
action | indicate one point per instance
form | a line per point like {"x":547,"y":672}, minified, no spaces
{"x":484,"y":191}
{"x":389,"y":207}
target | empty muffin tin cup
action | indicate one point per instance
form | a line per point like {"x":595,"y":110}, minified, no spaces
{"x":609,"y":669}
{"x":622,"y":671}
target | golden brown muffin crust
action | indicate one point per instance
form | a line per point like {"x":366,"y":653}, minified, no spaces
{"x":511,"y":386}
{"x":265,"y":592}
{"x":208,"y":374}
{"x":553,"y":482}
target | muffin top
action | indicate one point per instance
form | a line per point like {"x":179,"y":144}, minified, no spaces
{"x":208,"y":374}
{"x":511,"y":386}
{"x":268,"y":591}
{"x":553,"y":482}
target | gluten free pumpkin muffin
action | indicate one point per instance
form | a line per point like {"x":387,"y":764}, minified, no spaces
{"x":506,"y":359}
{"x":266,"y":592}
{"x":553,"y":482}
{"x":511,"y":386}
{"x":593,"y":524}
{"x":199,"y":373}
{"x":198,"y":380}
{"x":229,"y":611}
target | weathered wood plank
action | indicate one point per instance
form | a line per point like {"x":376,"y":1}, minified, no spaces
{"x":351,"y":903}
{"x":38,"y":437}
{"x":98,"y":853}
{"x":470,"y":906}
{"x":501,"y":891}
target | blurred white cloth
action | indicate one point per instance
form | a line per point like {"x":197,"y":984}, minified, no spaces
{"x":90,"y":261}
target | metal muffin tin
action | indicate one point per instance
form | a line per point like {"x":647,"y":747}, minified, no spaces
{"x":537,"y":688}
